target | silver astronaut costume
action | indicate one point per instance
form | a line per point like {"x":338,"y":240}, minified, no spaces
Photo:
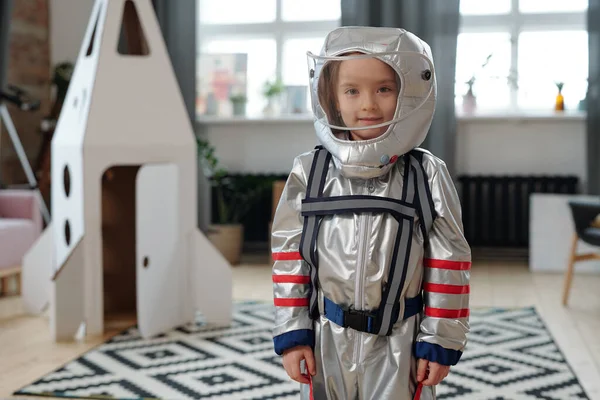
{"x":371,"y":266}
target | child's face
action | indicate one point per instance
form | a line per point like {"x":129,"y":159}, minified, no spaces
{"x":367,"y":93}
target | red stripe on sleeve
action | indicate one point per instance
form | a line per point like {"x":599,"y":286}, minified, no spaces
{"x":287,"y":256}
{"x":445,"y":313}
{"x":291,"y":302}
{"x":291,"y":279}
{"x":446,"y":289}
{"x":447,"y":264}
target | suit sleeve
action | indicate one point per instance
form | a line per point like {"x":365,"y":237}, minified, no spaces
{"x":447,"y":264}
{"x":291,"y":274}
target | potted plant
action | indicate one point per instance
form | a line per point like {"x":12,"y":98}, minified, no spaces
{"x":239,"y":104}
{"x":234,"y":197}
{"x":272,"y":91}
{"x":560,"y":100}
{"x":469,"y":99}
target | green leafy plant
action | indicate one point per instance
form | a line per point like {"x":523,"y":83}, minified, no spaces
{"x":236,"y":195}
{"x":274,"y":88}
{"x":62,"y":77}
{"x":238,"y":98}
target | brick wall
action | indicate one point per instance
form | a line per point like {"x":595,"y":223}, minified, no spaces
{"x":28,"y":68}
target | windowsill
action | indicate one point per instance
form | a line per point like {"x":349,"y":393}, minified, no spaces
{"x":479,"y":116}
{"x":285,"y":118}
{"x":524,"y":115}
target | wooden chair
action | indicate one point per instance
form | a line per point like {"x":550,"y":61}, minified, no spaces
{"x":583,"y":215}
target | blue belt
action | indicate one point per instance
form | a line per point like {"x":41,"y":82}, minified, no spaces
{"x":364,"y":321}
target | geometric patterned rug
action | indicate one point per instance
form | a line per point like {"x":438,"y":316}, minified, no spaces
{"x":510,"y":355}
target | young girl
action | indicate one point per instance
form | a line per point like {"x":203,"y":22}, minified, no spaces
{"x":371,"y":272}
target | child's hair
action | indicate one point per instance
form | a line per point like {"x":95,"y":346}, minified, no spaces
{"x":328,"y":93}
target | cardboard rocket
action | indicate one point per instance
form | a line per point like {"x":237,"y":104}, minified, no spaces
{"x":123,"y":238}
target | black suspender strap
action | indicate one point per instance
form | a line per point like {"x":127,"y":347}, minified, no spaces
{"x":390,"y":307}
{"x":308,"y":248}
{"x":424,"y":201}
{"x":415,"y":192}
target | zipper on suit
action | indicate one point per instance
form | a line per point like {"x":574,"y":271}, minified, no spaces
{"x":364,"y":227}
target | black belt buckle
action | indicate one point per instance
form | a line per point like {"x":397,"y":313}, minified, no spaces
{"x":357,"y":320}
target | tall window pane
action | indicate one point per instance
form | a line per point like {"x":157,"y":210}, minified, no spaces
{"x":295,"y":64}
{"x":546,"y":58}
{"x":261,"y":61}
{"x":491,"y":85}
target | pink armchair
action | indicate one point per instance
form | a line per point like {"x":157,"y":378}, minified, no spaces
{"x":20,"y":226}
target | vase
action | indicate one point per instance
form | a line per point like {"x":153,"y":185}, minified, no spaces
{"x":560,"y":102}
{"x":469,"y":104}
{"x":228,"y":239}
{"x":239,"y":108}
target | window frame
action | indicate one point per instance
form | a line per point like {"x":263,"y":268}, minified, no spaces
{"x":516,"y":22}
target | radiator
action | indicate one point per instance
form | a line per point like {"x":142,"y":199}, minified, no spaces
{"x":495,"y":209}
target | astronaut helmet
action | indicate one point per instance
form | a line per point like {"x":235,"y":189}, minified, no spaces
{"x":387,"y":107}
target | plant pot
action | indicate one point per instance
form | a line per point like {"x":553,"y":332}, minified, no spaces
{"x":559,"y":102}
{"x":228,"y":239}
{"x":239,"y":108}
{"x":469,"y":104}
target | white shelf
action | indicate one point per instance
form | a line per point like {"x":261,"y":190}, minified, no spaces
{"x":210,"y":120}
{"x":525,"y":116}
{"x":480,"y":116}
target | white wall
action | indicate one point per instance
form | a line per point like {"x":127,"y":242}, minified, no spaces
{"x":68,"y":22}
{"x":544,"y":146}
{"x":484,"y":146}
{"x":260,"y":147}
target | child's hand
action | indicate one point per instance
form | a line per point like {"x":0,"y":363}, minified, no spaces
{"x":291,"y":362}
{"x":437,"y":372}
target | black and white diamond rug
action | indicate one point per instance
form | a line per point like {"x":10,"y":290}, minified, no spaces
{"x":510,"y":355}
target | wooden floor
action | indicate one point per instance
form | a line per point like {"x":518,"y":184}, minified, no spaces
{"x":26,"y":353}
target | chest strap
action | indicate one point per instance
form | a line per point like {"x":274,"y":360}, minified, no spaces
{"x":315,"y":207}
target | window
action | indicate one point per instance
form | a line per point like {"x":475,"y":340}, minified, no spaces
{"x":295,"y":63}
{"x":472,"y":52}
{"x":546,"y":58}
{"x":261,"y":55}
{"x":534,"y":44}
{"x":274,"y":34}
